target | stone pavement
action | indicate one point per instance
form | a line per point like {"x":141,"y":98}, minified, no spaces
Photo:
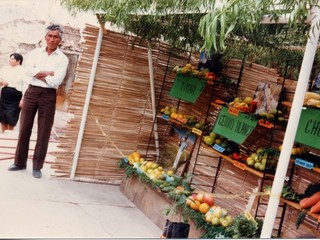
{"x":59,"y":208}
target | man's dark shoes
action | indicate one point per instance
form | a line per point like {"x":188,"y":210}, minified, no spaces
{"x":37,"y":173}
{"x":14,"y":167}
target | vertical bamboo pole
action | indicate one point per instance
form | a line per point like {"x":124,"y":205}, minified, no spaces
{"x":292,"y":126}
{"x":86,"y":105}
{"x":153,"y":101}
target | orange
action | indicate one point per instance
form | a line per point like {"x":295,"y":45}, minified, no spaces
{"x":195,"y":205}
{"x":136,"y":156}
{"x":204,"y":208}
{"x":174,"y":115}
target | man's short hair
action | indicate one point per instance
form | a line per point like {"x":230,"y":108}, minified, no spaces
{"x":54,"y":27}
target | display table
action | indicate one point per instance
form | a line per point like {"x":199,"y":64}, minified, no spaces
{"x":152,"y":203}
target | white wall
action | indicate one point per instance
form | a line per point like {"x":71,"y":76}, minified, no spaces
{"x":46,"y":10}
{"x":22,"y":23}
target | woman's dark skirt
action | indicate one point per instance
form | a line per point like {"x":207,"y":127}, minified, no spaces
{"x":9,"y":105}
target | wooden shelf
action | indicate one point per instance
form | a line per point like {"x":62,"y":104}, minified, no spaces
{"x":315,"y":169}
{"x":216,"y":105}
{"x":235,"y":162}
{"x":296,"y":206}
{"x":181,"y":124}
{"x":286,"y":103}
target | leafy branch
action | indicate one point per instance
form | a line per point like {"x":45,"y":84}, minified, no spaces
{"x":238,"y":19}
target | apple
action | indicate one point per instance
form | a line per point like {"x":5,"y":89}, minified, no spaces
{"x":208,"y":199}
{"x":209,"y":140}
{"x":208,"y":218}
{"x":228,"y":218}
{"x":257,"y":165}
{"x":217,"y":212}
{"x":250,"y":161}
{"x":223,"y":222}
{"x":199,"y":197}
{"x":247,"y":100}
{"x":262,"y":167}
{"x":215,"y":221}
{"x":224,"y":212}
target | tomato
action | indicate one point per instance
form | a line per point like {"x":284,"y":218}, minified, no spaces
{"x":235,"y":156}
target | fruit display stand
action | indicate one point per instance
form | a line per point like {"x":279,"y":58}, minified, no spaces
{"x":220,"y":173}
{"x":264,"y":176}
{"x":191,"y":214}
{"x":152,"y":203}
{"x":305,"y":162}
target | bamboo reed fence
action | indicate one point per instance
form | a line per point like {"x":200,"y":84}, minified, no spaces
{"x":120,"y":120}
{"x":120,"y":117}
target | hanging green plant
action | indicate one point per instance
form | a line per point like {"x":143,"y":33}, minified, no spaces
{"x":242,"y":19}
{"x":254,"y":30}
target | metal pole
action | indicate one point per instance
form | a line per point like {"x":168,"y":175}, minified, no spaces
{"x":292,"y":126}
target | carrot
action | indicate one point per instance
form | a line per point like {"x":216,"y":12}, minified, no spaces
{"x":303,"y":201}
{"x":310,"y":201}
{"x":315,"y":208}
{"x":219,"y":101}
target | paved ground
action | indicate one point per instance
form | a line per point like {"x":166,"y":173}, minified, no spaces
{"x":50,"y":207}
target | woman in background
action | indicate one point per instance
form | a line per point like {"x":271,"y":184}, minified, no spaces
{"x":12,"y":79}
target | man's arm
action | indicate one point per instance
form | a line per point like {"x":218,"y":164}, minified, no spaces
{"x":59,"y":73}
{"x":43,"y":74}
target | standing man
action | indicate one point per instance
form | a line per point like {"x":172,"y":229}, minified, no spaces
{"x":47,"y":68}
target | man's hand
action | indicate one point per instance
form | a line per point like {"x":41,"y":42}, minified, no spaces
{"x":21,"y":103}
{"x":42,"y":74}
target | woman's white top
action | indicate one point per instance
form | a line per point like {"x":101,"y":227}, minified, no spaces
{"x":15,"y":76}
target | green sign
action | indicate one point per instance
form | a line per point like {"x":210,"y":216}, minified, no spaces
{"x":235,"y":128}
{"x":308,"y":132}
{"x":187,"y":88}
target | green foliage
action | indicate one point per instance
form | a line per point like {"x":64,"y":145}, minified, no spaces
{"x":240,"y":20}
{"x":232,"y":27}
{"x":244,"y":227}
{"x":301,"y":216}
{"x":176,"y":30}
{"x":173,"y":21}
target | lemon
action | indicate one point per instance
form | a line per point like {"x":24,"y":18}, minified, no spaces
{"x":149,"y":165}
{"x":170,"y":173}
{"x":155,"y":165}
